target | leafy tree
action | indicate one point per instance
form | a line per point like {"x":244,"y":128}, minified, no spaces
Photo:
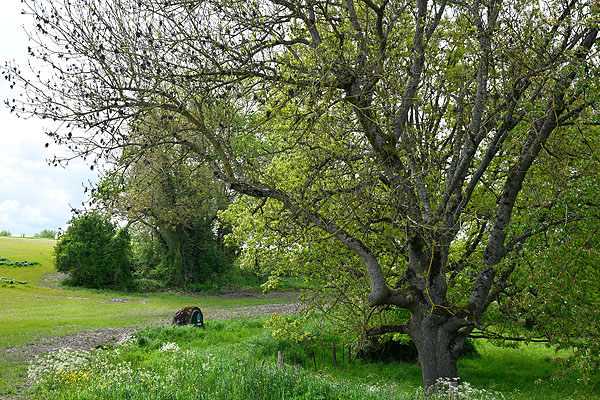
{"x":400,"y":134}
{"x":555,"y":292}
{"x":46,"y":234}
{"x":5,"y":233}
{"x":173,"y":206}
{"x":94,"y":252}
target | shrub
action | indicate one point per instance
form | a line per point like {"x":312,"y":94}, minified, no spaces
{"x":95,"y":253}
{"x":4,"y":232}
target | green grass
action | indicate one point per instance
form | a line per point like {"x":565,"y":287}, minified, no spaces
{"x":19,"y":249}
{"x":230,"y":359}
{"x":236,"y":359}
{"x":30,"y":311}
{"x":216,"y":363}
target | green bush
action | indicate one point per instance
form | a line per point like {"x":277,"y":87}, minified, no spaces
{"x":95,"y":253}
{"x":182,"y":255}
{"x":4,"y":232}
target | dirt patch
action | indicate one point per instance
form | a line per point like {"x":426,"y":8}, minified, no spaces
{"x":116,"y":300}
{"x":52,"y":281}
{"x":85,"y":340}
{"x":253,"y":311}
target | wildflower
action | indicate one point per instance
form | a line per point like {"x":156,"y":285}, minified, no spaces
{"x":452,"y":389}
{"x":170,"y":348}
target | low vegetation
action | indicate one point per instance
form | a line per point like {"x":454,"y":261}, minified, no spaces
{"x":229,"y":359}
{"x":4,"y":281}
{"x":7,"y":262}
{"x":237,"y":359}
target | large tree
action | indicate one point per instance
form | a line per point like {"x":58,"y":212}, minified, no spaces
{"x":171,"y":205}
{"x":393,"y":128}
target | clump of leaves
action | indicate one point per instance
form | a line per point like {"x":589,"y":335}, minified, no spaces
{"x":11,"y":281}
{"x":292,"y":329}
{"x":7,"y":262}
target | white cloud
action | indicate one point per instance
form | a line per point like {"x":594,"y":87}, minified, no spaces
{"x":33,"y":195}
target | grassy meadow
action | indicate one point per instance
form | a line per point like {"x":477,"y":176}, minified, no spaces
{"x":230,"y":359}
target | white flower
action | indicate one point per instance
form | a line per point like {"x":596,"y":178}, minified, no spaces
{"x":453,"y":389}
{"x":170,"y":347}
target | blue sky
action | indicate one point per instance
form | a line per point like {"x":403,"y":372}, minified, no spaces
{"x":33,"y":195}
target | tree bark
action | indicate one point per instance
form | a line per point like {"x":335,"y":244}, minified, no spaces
{"x":434,"y":323}
{"x":438,"y":344}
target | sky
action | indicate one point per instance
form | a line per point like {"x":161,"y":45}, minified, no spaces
{"x":33,"y":195}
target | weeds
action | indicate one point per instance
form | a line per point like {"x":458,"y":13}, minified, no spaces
{"x":453,"y":389}
{"x":175,"y":373}
{"x":189,"y":374}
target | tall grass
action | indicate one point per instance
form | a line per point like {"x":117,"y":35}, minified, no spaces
{"x":236,"y":359}
{"x":152,"y":367}
{"x":193,"y":374}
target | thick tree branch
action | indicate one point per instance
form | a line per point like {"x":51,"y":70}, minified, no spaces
{"x":382,"y":330}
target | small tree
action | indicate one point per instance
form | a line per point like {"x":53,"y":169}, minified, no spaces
{"x":46,"y":234}
{"x":94,"y":252}
{"x":4,"y":232}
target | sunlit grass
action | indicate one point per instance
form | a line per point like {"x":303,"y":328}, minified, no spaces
{"x":19,"y":249}
{"x":30,"y":311}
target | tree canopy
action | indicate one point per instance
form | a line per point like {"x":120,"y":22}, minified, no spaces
{"x":402,"y":138}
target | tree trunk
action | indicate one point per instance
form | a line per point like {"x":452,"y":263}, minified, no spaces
{"x":438,"y":347}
